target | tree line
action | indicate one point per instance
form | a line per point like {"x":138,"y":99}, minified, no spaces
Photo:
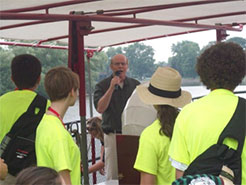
{"x":141,"y":61}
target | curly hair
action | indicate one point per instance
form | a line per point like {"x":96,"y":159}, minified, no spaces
{"x":222,"y":66}
{"x":167,"y":116}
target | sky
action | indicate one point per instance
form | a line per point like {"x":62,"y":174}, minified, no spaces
{"x":162,"y":46}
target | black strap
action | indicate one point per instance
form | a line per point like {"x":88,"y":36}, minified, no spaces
{"x":38,"y":102}
{"x":236,"y":128}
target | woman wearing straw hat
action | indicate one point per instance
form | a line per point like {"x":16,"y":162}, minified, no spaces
{"x":165,"y":94}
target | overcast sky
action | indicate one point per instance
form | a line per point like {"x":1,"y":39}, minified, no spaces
{"x":162,"y":46}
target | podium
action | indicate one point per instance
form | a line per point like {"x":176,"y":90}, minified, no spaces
{"x":127,"y":147}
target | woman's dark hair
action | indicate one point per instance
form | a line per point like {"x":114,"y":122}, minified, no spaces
{"x":223,"y":65}
{"x":25,"y":71}
{"x":38,"y":176}
{"x":167,"y":116}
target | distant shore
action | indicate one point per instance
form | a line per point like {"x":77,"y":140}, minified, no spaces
{"x":192,"y":81}
{"x":197,"y":82}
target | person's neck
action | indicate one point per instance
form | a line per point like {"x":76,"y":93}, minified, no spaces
{"x":30,"y":89}
{"x":60,"y":107}
{"x":223,"y":88}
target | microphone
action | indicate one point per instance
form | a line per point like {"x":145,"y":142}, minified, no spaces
{"x":117,"y":73}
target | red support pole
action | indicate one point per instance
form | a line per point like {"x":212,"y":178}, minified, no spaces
{"x":77,"y":30}
{"x":221,"y":35}
{"x":82,"y":100}
{"x":89,"y":55}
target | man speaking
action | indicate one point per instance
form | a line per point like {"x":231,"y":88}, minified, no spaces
{"x":110,"y":97}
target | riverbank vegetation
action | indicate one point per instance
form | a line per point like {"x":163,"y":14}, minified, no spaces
{"x":141,"y":62}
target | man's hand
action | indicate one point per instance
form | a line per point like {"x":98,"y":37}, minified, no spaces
{"x":3,"y":169}
{"x":115,"y":81}
{"x":102,"y":171}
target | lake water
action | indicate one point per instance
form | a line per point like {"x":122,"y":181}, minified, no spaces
{"x":73,"y":112}
{"x":73,"y":115}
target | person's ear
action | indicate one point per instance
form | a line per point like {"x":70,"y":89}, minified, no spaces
{"x":73,"y":92}
{"x":38,"y":80}
{"x":111,"y":66}
{"x":12,"y":80}
{"x":37,"y":83}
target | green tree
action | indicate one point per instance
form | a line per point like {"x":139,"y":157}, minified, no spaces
{"x":6,"y":83}
{"x":238,"y":40}
{"x":98,"y":68}
{"x":184,"y":59}
{"x":141,"y":60}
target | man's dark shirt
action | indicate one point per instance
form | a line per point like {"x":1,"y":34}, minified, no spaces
{"x":111,"y":118}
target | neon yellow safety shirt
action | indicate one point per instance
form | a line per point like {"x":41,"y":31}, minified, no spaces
{"x":12,"y":105}
{"x":199,"y":125}
{"x":152,"y":155}
{"x":55,"y":148}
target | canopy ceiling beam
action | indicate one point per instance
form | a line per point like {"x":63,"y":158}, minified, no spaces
{"x":48,"y":6}
{"x":42,"y":46}
{"x":128,"y":27}
{"x":213,"y":16}
{"x":129,"y":11}
{"x":60,"y":17}
{"x":32,"y":45}
{"x":155,"y":37}
{"x":23,"y":24}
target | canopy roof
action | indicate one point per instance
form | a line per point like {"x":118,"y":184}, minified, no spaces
{"x":116,"y":21}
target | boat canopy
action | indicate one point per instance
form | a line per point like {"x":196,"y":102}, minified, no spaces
{"x":96,"y":24}
{"x":114,"y":22}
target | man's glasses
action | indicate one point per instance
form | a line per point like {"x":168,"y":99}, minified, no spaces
{"x":119,"y":63}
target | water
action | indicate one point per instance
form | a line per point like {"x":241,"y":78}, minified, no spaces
{"x":73,"y":112}
{"x":73,"y":115}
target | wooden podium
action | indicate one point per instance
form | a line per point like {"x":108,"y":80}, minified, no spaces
{"x":127,"y":147}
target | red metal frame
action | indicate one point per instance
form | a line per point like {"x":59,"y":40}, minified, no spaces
{"x":61,"y":17}
{"x":137,"y":10}
{"x":23,"y":24}
{"x":43,"y":46}
{"x":48,"y":6}
{"x":32,"y":45}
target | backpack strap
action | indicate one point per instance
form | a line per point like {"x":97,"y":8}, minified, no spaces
{"x":40,"y":103}
{"x":236,"y":128}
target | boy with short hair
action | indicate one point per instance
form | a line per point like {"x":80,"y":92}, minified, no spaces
{"x":55,"y":147}
{"x":25,"y":73}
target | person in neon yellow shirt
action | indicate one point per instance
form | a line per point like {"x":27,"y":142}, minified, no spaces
{"x":221,"y":69}
{"x":55,"y":147}
{"x":164,"y":92}
{"x":25,"y":74}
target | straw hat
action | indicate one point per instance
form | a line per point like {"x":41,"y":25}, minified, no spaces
{"x":164,"y":89}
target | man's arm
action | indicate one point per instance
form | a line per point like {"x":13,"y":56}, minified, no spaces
{"x":179,"y":173}
{"x":180,"y":167}
{"x":65,"y":174}
{"x":106,"y":98}
{"x":3,"y":169}
{"x":147,"y":179}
